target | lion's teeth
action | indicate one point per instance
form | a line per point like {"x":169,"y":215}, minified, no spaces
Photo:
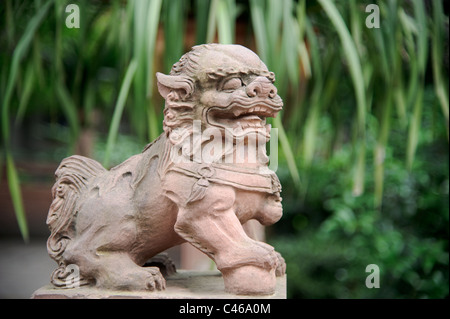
{"x":257,"y":109}
{"x":237,"y":113}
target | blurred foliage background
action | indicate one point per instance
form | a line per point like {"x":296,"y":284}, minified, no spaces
{"x":363,"y":156}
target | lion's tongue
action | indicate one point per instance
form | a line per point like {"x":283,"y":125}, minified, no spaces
{"x":250,"y":117}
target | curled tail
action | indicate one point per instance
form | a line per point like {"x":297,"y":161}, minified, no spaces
{"x":72,"y":178}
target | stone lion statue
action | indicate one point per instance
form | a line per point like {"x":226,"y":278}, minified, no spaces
{"x":185,"y":186}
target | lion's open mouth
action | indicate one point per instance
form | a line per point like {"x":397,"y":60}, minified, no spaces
{"x":240,"y":117}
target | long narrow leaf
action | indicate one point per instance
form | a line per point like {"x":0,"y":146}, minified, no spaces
{"x":422,"y":43}
{"x":154,"y":10}
{"x":225,"y":21}
{"x":441,"y":87}
{"x":212,"y":17}
{"x":16,"y":196}
{"x":118,"y":110}
{"x":259,"y":29}
{"x":291,"y":42}
{"x":352,"y":57}
{"x":414,"y":128}
{"x":69,"y":109}
{"x":18,"y":55}
{"x":153,"y":14}
{"x":201,"y":20}
{"x":26,"y":93}
{"x":287,"y":151}
{"x":139,"y":107}
{"x":380,"y":148}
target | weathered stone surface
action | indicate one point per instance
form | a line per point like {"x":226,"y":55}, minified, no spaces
{"x":200,"y":181}
{"x":183,"y":285}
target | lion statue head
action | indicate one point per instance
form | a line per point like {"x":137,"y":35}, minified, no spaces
{"x":226,"y":87}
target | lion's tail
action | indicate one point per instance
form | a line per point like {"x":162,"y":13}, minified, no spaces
{"x":72,"y":178}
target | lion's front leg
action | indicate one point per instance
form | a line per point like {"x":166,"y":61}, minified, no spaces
{"x":212,"y":226}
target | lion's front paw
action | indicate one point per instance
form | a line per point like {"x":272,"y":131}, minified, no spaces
{"x":154,"y":279}
{"x":271,"y":258}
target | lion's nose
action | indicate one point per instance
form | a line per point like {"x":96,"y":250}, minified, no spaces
{"x":261,"y":87}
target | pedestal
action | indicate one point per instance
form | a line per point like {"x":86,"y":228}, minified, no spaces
{"x":182,"y":285}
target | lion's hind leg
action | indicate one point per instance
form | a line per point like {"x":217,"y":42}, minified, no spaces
{"x":102,"y":249}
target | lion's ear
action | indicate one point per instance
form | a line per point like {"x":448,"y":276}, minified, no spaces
{"x":167,"y":83}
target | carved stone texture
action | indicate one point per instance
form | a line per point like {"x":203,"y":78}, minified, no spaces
{"x":199,"y":182}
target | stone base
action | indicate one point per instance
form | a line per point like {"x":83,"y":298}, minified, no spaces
{"x":182,"y":285}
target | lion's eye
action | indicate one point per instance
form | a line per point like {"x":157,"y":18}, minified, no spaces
{"x":232,"y":84}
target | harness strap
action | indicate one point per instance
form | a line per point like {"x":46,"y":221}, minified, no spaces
{"x":251,"y":179}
